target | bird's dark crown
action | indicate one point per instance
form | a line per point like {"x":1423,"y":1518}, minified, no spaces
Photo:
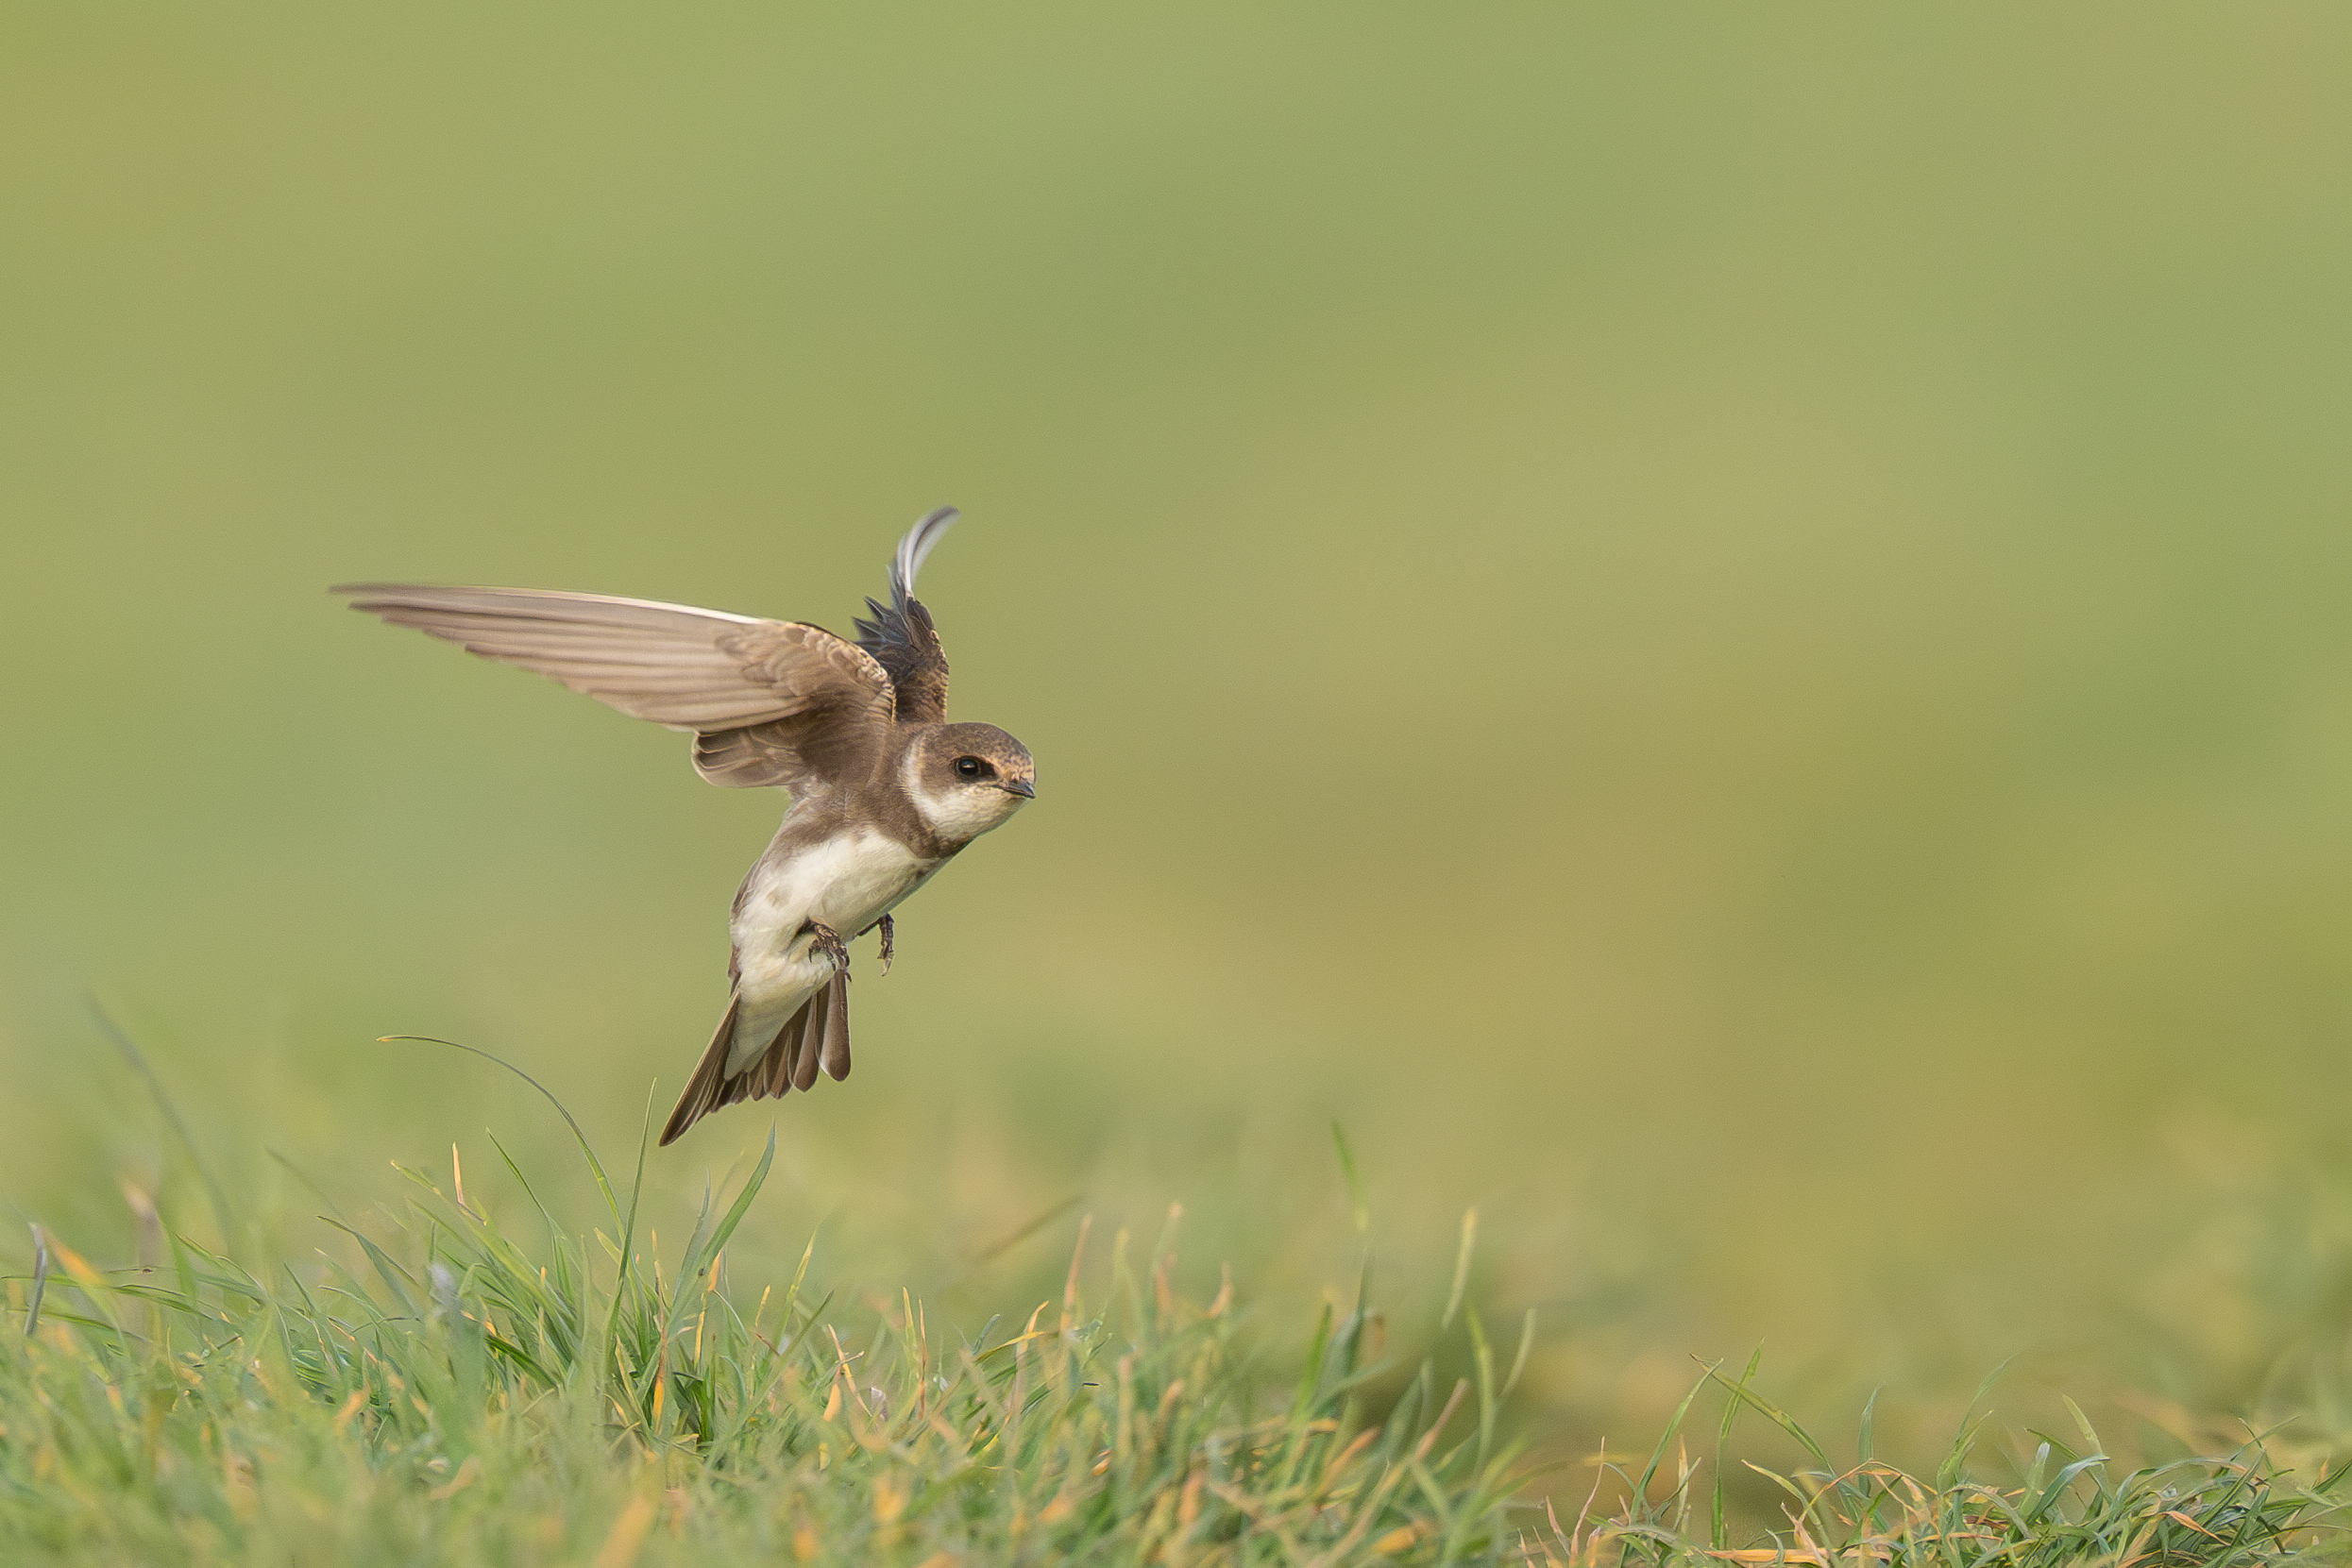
{"x":953,"y":755}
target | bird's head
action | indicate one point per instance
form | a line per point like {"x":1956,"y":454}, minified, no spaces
{"x":966,"y":779}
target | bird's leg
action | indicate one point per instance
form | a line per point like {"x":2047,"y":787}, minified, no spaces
{"x":824,"y":940}
{"x":887,"y":931}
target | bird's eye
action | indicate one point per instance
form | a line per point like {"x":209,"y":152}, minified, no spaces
{"x":972,"y":768}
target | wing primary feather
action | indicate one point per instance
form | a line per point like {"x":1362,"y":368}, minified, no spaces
{"x":889,"y":626}
{"x":552,"y":605}
{"x":916,"y":549}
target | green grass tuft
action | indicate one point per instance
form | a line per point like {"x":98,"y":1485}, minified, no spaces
{"x":446,"y":1393}
{"x":2066,"y":1511}
{"x":450,"y":1395}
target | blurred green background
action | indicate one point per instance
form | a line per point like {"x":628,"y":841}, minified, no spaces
{"x":1719,"y":628}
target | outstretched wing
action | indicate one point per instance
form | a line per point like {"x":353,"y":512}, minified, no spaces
{"x":900,"y":637}
{"x":816,"y":703}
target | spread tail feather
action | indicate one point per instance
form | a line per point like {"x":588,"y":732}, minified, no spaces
{"x":818,"y":1035}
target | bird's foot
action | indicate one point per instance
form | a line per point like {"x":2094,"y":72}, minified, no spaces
{"x":823,"y":938}
{"x":887,"y":931}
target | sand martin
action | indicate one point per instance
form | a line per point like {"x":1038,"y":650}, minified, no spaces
{"x":885,"y":791}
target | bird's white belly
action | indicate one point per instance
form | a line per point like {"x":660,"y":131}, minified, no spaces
{"x":846,"y":882}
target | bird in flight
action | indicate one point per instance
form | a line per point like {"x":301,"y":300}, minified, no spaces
{"x":885,"y":791}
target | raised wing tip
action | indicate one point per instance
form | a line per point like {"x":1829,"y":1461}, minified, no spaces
{"x":917,"y":547}
{"x":397,"y":590}
{"x":528,"y":603}
{"x":372,"y":596}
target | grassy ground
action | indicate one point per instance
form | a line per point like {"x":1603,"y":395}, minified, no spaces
{"x":443,"y":1387}
{"x":1724,"y":637}
{"x":1722,"y":633}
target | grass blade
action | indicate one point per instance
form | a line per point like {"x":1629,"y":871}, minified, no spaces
{"x":41,"y":1283}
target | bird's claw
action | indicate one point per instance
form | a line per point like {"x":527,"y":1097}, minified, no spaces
{"x":823,"y":938}
{"x":887,"y":931}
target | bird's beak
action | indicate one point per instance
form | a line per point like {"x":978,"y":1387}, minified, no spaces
{"x":1021,"y":788}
